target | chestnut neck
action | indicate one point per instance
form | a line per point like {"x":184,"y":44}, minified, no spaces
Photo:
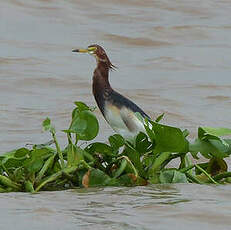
{"x":100,"y":77}
{"x":101,"y":86}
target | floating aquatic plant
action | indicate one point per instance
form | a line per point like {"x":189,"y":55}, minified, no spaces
{"x":117,"y":162}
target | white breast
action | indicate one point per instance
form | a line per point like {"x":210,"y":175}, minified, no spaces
{"x":123,"y":121}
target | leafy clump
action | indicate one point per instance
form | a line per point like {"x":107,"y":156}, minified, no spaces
{"x":117,"y":162}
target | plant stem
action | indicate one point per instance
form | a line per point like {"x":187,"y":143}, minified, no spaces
{"x":129,"y":162}
{"x":55,"y":177}
{"x":58,"y":150}
{"x":203,"y":171}
{"x":85,"y":164}
{"x":184,"y":170}
{"x":121,"y":168}
{"x":44,"y":169}
{"x":222,"y":176}
{"x":130,"y":146}
{"x":29,"y":187}
{"x":193,"y":178}
{"x":9,"y":183}
{"x":76,"y":139}
{"x":183,"y":161}
{"x":171,"y":158}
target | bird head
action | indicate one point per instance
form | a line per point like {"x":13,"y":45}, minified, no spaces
{"x":99,"y":53}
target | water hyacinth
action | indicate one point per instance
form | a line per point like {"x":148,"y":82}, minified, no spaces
{"x":119,"y":162}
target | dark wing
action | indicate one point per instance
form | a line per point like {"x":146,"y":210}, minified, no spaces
{"x":121,"y":101}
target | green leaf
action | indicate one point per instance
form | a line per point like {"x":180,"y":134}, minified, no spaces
{"x":42,"y":153}
{"x":74,"y":155}
{"x":148,"y":160}
{"x":35,"y":162}
{"x":228,"y":142}
{"x":8,"y":154}
{"x":185,"y":132}
{"x":208,"y":133}
{"x":142,"y":143}
{"x":13,"y":162}
{"x":101,"y":148}
{"x":17,"y":159}
{"x":121,"y":168}
{"x":116,"y":141}
{"x":95,"y":177}
{"x":209,"y":148}
{"x":22,"y":152}
{"x":166,"y":176}
{"x":203,"y":131}
{"x":78,"y":126}
{"x":34,"y":165}
{"x":179,"y":177}
{"x":159,"y":118}
{"x":172,"y":176}
{"x":169,"y":139}
{"x":222,"y":146}
{"x":216,"y":166}
{"x":149,"y":131}
{"x":158,"y":162}
{"x":85,"y":125}
{"x":46,"y":124}
{"x":135,"y":158}
{"x":127,"y":180}
{"x":74,"y":113}
{"x":81,"y":106}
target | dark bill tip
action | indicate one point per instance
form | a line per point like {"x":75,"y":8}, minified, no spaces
{"x":76,"y":50}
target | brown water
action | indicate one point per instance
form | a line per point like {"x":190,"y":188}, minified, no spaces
{"x":173,"y":57}
{"x":159,"y":207}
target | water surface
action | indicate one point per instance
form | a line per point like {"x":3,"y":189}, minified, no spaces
{"x":172,"y":56}
{"x":152,"y":207}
